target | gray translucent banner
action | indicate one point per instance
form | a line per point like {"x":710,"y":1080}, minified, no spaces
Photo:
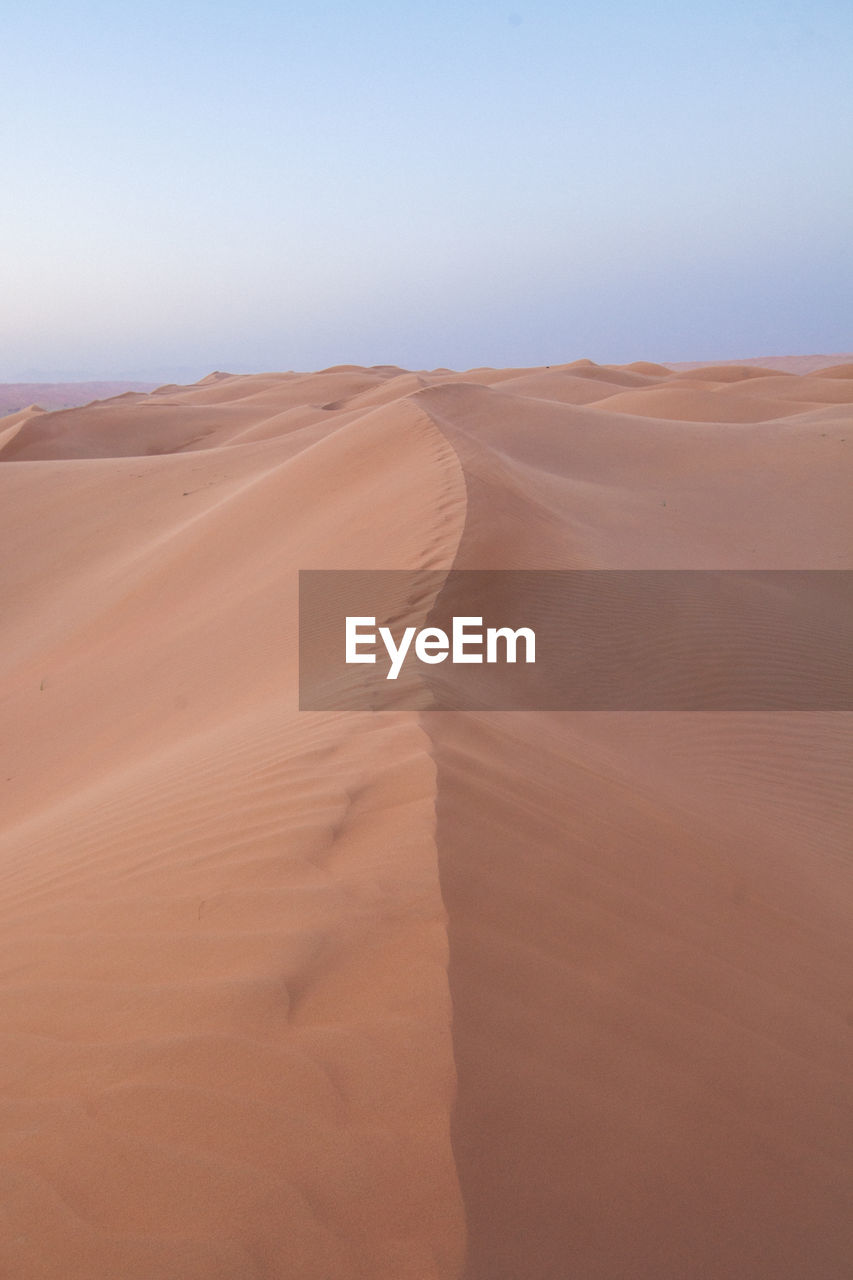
{"x":603,"y":640}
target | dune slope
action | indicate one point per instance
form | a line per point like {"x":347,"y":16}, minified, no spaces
{"x":649,"y":914}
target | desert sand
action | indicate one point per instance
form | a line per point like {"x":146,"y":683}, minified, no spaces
{"x":15,"y":396}
{"x":412,"y":995}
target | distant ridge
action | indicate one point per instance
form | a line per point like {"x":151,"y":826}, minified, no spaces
{"x":62,"y":395}
{"x":780,"y":364}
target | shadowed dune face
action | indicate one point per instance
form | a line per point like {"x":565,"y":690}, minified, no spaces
{"x":412,"y":996}
{"x":648,"y":1082}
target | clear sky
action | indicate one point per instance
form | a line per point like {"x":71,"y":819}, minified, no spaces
{"x":191,"y":186}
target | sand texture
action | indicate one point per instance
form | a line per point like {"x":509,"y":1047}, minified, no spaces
{"x":412,"y":996}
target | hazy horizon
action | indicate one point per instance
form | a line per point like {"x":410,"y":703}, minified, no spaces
{"x":488,"y":184}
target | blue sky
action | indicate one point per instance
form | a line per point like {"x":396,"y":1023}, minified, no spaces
{"x":192,"y":186}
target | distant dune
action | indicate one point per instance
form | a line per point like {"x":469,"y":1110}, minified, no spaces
{"x":62,"y":395}
{"x":412,"y":995}
{"x":779,"y":364}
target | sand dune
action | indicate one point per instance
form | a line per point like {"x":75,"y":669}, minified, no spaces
{"x":62,"y":395}
{"x":412,"y":995}
{"x":781,"y":364}
{"x":698,"y":403}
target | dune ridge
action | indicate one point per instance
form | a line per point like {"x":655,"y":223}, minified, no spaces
{"x":411,"y":995}
{"x":62,"y":395}
{"x":783,"y":364}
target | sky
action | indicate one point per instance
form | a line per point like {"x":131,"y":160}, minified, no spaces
{"x":196,"y":186}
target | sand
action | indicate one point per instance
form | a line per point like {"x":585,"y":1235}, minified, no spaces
{"x":776,"y":364}
{"x":63,"y":395}
{"x":412,"y":995}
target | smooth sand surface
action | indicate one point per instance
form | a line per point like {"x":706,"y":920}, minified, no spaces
{"x":412,"y":996}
